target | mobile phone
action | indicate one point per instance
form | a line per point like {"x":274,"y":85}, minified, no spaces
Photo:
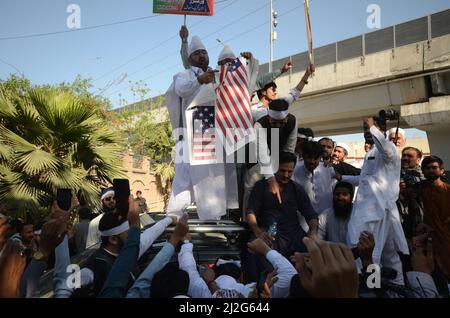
{"x":261,"y":282}
{"x":64,"y":198}
{"x":121,"y":194}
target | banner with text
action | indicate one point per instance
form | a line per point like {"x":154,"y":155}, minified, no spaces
{"x":185,"y":7}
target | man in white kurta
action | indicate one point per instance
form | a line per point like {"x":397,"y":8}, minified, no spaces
{"x":315,"y":178}
{"x":374,"y":209}
{"x":204,"y":184}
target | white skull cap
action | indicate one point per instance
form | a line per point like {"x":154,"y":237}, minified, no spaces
{"x":343,"y":146}
{"x":195,"y":45}
{"x":226,"y":53}
{"x":400,"y":131}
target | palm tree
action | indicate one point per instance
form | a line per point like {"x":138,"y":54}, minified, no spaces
{"x":51,"y":139}
{"x":165,"y":172}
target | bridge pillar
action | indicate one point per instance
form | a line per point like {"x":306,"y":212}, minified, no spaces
{"x":434,"y":118}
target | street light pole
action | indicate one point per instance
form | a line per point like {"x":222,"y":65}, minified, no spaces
{"x":273,"y":34}
{"x":270,"y":36}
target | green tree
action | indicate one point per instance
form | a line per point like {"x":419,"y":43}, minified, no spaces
{"x":51,"y":138}
{"x":147,"y":129}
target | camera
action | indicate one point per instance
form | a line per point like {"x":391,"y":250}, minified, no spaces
{"x":384,"y":115}
{"x":388,"y":114}
{"x":410,"y":177}
{"x":368,"y":135}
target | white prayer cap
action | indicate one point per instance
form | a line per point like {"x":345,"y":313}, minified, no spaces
{"x":195,"y":45}
{"x":400,"y":131}
{"x":343,"y":146}
{"x":226,"y":53}
{"x":228,"y":261}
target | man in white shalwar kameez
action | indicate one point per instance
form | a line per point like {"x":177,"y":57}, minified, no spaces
{"x":205,"y":184}
{"x":374,"y":209}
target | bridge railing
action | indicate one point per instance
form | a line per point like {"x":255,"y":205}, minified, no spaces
{"x":422,"y":29}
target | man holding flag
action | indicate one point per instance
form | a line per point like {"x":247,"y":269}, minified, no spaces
{"x":204,"y":184}
{"x":207,"y":112}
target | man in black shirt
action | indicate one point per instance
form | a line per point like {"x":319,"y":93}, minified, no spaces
{"x":278,"y":223}
{"x":340,"y":153}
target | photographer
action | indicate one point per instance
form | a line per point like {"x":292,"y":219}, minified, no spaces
{"x":374,"y":209}
{"x":411,"y":158}
{"x":411,"y":212}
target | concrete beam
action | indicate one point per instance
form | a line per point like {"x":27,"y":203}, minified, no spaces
{"x":407,"y":59}
{"x":437,"y":53}
{"x":439,"y":140}
{"x":433,"y":117}
{"x":425,"y":115}
{"x":342,"y":112}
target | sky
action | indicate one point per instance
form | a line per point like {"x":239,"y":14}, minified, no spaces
{"x":147,"y":49}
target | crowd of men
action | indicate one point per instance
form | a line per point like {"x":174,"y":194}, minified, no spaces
{"x":316,"y":223}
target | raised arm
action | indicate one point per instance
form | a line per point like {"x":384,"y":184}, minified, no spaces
{"x":117,"y":280}
{"x":284,"y":268}
{"x":264,"y":79}
{"x":384,"y":146}
{"x":141,"y":288}
{"x":292,"y":140}
{"x":197,"y":286}
{"x":294,"y":93}
{"x":60,"y":274}
{"x":152,"y":233}
{"x":263,"y":154}
{"x":184,"y":34}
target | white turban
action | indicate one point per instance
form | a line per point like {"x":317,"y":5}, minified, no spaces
{"x":195,"y":45}
{"x":343,"y":146}
{"x":226,"y":53}
{"x":400,"y":131}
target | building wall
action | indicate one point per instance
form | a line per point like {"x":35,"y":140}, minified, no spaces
{"x":142,"y":178}
{"x":357,"y":148}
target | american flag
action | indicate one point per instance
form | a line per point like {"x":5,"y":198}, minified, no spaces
{"x":233,"y":115}
{"x":204,"y":138}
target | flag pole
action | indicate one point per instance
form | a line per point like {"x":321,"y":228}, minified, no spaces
{"x":185,"y":20}
{"x":308,"y":31}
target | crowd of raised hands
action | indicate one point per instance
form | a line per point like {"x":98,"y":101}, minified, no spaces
{"x":14,"y":256}
{"x":326,"y":270}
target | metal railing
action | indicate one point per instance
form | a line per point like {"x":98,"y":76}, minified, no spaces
{"x":417,"y":30}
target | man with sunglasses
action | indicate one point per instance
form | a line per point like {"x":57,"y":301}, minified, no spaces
{"x":278,"y":123}
{"x":107,"y":205}
{"x":268,"y":91}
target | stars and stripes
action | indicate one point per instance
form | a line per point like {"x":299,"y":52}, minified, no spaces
{"x":204,"y":134}
{"x":233,"y":115}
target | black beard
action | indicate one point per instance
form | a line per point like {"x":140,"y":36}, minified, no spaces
{"x":342,"y":212}
{"x":432,"y":177}
{"x":107,"y":210}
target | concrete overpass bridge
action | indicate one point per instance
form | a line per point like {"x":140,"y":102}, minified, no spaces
{"x":405,"y":67}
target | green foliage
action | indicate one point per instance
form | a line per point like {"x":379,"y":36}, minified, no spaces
{"x":53,"y":137}
{"x":146,"y":127}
